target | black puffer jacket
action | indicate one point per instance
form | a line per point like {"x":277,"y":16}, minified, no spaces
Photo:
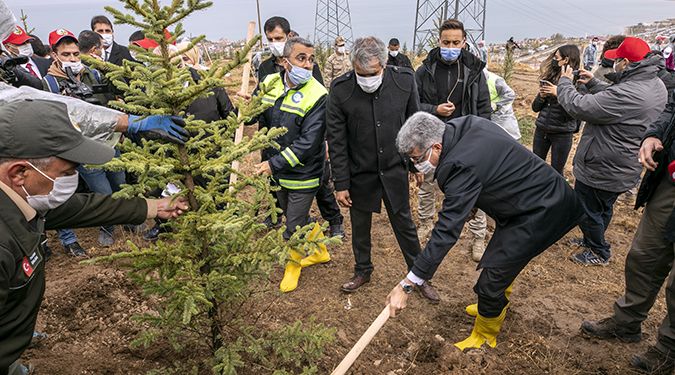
{"x":552,"y":117}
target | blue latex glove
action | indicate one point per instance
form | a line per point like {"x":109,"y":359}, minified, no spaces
{"x":162,"y":127}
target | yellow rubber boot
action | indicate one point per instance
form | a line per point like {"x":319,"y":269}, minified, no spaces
{"x":320,"y":256}
{"x":485,"y":331}
{"x":472,"y":309}
{"x":292,"y":273}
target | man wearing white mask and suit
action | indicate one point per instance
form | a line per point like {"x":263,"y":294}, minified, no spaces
{"x":366,"y":109}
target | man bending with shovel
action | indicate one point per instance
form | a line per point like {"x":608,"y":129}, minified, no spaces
{"x":477,"y":164}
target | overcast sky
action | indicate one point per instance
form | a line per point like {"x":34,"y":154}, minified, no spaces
{"x":383,"y":18}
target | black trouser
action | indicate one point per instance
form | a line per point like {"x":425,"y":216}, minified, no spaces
{"x":599,"y":207}
{"x":560,"y":145}
{"x":404,"y":230}
{"x":492,"y":284}
{"x":325,"y":198}
{"x":648,"y":264}
{"x":296,"y":207}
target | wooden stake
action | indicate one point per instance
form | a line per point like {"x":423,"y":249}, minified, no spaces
{"x":353,"y":354}
{"x":245,"y":77}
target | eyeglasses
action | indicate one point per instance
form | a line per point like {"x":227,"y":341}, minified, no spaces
{"x":419,"y":159}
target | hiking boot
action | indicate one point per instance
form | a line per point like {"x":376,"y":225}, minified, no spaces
{"x":589,"y":258}
{"x":429,"y":292}
{"x":654,"y":362}
{"x":105,"y":238}
{"x":355,"y":283}
{"x":74,"y":249}
{"x":337,"y":230}
{"x":608,"y":329}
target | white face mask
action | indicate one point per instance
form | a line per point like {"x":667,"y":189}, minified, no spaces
{"x":64,"y":188}
{"x":26,"y":50}
{"x":342,"y":49}
{"x":393,"y":53}
{"x":426,"y":167}
{"x":76,"y":67}
{"x":277,"y":48}
{"x":107,"y":39}
{"x":370,"y":84}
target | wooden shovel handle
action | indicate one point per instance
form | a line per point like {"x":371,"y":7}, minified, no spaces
{"x":356,"y":350}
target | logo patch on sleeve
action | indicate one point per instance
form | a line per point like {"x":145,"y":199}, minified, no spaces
{"x":27,"y":268}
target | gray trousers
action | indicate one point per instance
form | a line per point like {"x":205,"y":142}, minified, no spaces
{"x":426,"y":209}
{"x":296,"y":209}
{"x":648,"y":264}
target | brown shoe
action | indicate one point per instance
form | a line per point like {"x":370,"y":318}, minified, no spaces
{"x":429,"y":292}
{"x":355,"y":283}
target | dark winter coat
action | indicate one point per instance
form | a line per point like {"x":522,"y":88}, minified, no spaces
{"x":401,"y":60}
{"x":663,"y":129}
{"x":531,"y":203}
{"x":212,"y":108}
{"x":552,"y":117}
{"x":22,"y":274}
{"x":616,"y":118}
{"x":476,"y":95}
{"x":118,"y":54}
{"x":362,"y":130}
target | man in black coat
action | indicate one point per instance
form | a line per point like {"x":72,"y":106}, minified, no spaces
{"x":650,"y":259}
{"x":396,"y":58}
{"x":451,"y":84}
{"x":366,"y":109}
{"x":112,"y":52}
{"x":477,"y":164}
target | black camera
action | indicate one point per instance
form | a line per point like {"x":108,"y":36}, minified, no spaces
{"x":7,"y":68}
{"x":73,"y":87}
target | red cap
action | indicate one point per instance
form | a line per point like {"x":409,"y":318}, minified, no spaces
{"x":58,"y":34}
{"x":634,"y":49}
{"x":17,"y":37}
{"x":146,"y":43}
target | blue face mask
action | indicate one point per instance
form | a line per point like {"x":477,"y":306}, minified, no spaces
{"x":298,"y":75}
{"x":450,"y":54}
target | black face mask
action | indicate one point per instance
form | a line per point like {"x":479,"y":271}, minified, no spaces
{"x":555,"y":66}
{"x":607,"y":63}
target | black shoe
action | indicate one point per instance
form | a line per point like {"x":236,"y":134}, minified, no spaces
{"x":337,"y":230}
{"x":270,"y":225}
{"x":589,"y":258}
{"x":152,"y":234}
{"x":74,"y":249}
{"x":654,"y":362}
{"x":608,"y":329}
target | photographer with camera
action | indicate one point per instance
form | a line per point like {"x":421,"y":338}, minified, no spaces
{"x":68,"y":75}
{"x":606,"y":162}
{"x":18,"y":44}
{"x":18,"y":66}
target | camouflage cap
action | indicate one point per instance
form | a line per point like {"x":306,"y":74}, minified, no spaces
{"x":340,"y":41}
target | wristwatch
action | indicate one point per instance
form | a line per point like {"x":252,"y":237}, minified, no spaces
{"x":407,"y":288}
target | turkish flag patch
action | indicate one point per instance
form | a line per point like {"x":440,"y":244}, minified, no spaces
{"x":27,"y":268}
